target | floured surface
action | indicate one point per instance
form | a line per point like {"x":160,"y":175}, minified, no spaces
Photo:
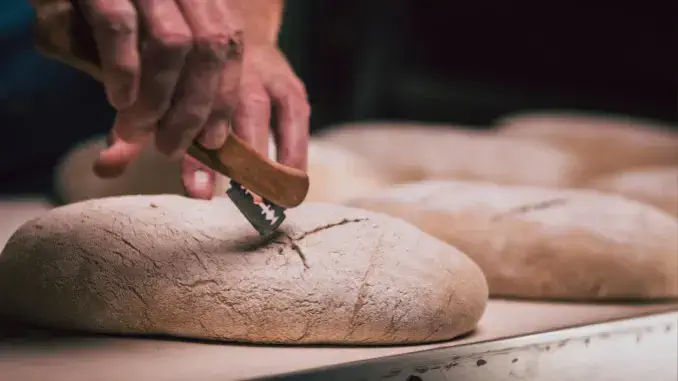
{"x":546,"y":243}
{"x":118,"y":359}
{"x":190,"y":268}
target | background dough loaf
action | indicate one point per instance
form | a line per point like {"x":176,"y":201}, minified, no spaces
{"x":14,"y":212}
{"x":175,"y":266}
{"x":540,"y":243}
{"x":656,"y":186}
{"x":603,"y":143}
{"x":335,"y":174}
{"x":151,"y":173}
{"x":411,"y":152}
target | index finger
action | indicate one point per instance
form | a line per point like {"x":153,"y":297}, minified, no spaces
{"x":113,"y":160}
{"x":115,"y":28}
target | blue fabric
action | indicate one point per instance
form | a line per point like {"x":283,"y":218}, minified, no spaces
{"x":45,"y":106}
{"x":14,"y":14}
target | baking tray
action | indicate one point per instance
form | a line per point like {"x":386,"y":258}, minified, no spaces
{"x":515,"y":340}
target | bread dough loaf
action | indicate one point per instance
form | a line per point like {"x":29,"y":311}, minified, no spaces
{"x":15,"y":212}
{"x":540,"y":243}
{"x":603,"y":143}
{"x":410,"y":152}
{"x":151,"y":173}
{"x":335,"y":175}
{"x":656,"y":186}
{"x":191,"y":268}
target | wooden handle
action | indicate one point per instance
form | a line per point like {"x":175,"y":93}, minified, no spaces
{"x":62,"y":33}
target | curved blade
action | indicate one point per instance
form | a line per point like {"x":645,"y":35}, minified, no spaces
{"x":265,"y":217}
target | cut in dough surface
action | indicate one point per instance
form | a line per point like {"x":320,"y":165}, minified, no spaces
{"x":174,"y":266}
{"x":335,"y":174}
{"x":603,"y":143}
{"x":656,"y":186}
{"x":413,"y":152}
{"x":541,"y":243}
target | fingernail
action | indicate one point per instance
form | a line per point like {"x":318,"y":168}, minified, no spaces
{"x":201,"y":179}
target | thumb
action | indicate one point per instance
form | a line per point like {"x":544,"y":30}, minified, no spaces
{"x":113,"y":160}
{"x":198,"y":179}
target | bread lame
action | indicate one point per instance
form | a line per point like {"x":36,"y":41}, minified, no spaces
{"x":62,"y":33}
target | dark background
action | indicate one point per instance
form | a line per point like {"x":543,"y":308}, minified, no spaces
{"x":454,"y":61}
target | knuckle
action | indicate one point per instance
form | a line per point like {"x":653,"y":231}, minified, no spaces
{"x":125,"y":71}
{"x":257,"y":100}
{"x":176,"y":43}
{"x":218,"y":46}
{"x":298,"y":88}
{"x":303,"y":109}
{"x":189,"y":120}
{"x":296,"y":101}
{"x":117,"y":21}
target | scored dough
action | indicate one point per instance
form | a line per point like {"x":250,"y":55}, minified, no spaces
{"x":602,"y":143}
{"x":413,"y":152}
{"x":656,"y":186}
{"x":546,"y":243}
{"x":335,"y":175}
{"x":191,"y":268}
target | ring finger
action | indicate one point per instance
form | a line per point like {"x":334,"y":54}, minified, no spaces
{"x":216,"y":45}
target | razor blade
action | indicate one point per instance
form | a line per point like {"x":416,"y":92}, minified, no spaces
{"x":264,"y":216}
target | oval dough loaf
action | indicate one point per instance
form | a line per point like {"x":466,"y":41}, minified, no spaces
{"x":175,"y":266}
{"x":15,"y":212}
{"x":602,"y":143}
{"x":546,"y":243}
{"x":151,"y":173}
{"x":656,"y":186}
{"x":335,"y":175}
{"x":409,"y":152}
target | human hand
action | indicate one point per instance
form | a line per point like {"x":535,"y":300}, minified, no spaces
{"x":197,"y":74}
{"x":164,"y":62}
{"x":266,"y":80}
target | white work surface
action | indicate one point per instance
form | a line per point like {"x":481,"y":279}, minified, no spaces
{"x":516,"y":340}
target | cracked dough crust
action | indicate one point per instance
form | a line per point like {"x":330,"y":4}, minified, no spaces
{"x":541,"y":243}
{"x":173,"y":266}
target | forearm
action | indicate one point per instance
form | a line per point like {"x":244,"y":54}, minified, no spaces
{"x":262,"y":19}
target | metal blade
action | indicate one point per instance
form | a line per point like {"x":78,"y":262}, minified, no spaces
{"x":266,"y":217}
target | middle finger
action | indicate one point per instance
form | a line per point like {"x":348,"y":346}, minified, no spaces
{"x":216,"y":44}
{"x":167,"y":42}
